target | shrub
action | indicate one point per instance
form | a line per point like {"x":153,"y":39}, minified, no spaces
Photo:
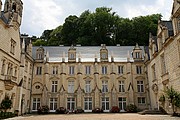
{"x":115,"y":109}
{"x":6,"y":103}
{"x":61,"y":110}
{"x":79,"y":110}
{"x":131,"y":108}
{"x":43,"y":109}
{"x":97,"y":110}
{"x":4,"y":115}
{"x":162,"y":98}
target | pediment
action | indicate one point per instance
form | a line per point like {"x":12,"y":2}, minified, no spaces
{"x":104,"y":77}
{"x":54,"y":77}
{"x":89,"y":78}
{"x":71,"y":78}
{"x":140,"y":77}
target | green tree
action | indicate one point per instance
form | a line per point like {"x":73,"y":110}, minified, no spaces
{"x":6,"y":103}
{"x":174,"y":98}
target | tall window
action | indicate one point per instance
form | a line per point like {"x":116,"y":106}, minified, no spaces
{"x":104,"y":86}
{"x":70,"y":103}
{"x":88,"y":87}
{"x":122,"y":103}
{"x":139,"y":69}
{"x":39,"y":71}
{"x":140,"y":86}
{"x":54,"y":86}
{"x":121,"y":86}
{"x":26,"y":66}
{"x":55,"y":70}
{"x":141,"y":100}
{"x":71,"y":70}
{"x":154,"y":72}
{"x":163,"y":64}
{"x":72,"y":56}
{"x":88,"y":70}
{"x":53,"y":104}
{"x":36,"y":103}
{"x":30,"y":69}
{"x":105,"y":103}
{"x":3,"y":67}
{"x":120,"y":69}
{"x":24,"y":82}
{"x":104,"y":69}
{"x":13,"y":44}
{"x":87,"y":104}
{"x":39,"y":56}
{"x":10,"y":69}
{"x":104,"y":55}
{"x":71,"y":87}
{"x":29,"y":84}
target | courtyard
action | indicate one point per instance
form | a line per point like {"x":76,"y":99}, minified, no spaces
{"x":126,"y":116}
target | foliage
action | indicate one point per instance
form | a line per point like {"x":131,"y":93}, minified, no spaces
{"x":131,"y":108}
{"x":79,"y":110}
{"x":4,"y":115}
{"x":115,"y":109}
{"x":61,"y":110}
{"x":101,"y":27}
{"x":6,"y":103}
{"x":43,"y":109}
{"x":174,"y":98}
{"x":162,"y":98}
{"x":97,"y":110}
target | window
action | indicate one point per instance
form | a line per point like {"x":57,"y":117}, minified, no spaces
{"x":154,"y":72}
{"x":39,"y":71}
{"x":39,"y":56}
{"x":54,"y":86}
{"x":105,"y":103}
{"x":137,"y":54}
{"x":88,"y":70}
{"x":30,"y":69}
{"x":15,"y":71}
{"x":71,"y":87}
{"x":121,"y":86}
{"x":71,"y":56}
{"x":36,"y":103}
{"x":29,"y":84}
{"x":53,"y":104}
{"x":104,"y":86}
{"x":163,"y":65}
{"x":13,"y":44}
{"x":141,"y":100}
{"x":55,"y":70}
{"x":26,"y":66}
{"x":104,"y":56}
{"x":71,"y":70}
{"x":120,"y":69}
{"x":88,"y":87}
{"x":3,"y":67}
{"x":122,"y":103}
{"x":139,"y":69}
{"x":87,"y":104}
{"x":70,"y":103}
{"x":140,"y":86}
{"x":10,"y":69}
{"x":24,"y":82}
{"x":104,"y":69}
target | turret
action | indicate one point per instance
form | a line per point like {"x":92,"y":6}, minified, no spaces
{"x":13,"y":12}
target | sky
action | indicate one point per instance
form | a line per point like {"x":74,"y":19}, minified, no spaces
{"x":40,"y":15}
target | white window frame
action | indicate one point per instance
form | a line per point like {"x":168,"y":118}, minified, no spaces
{"x":122,"y":103}
{"x":88,"y":104}
{"x":54,"y":86}
{"x":87,"y":86}
{"x":88,"y":70}
{"x":71,"y":102}
{"x":120,"y":69}
{"x":53,"y":104}
{"x":104,"y":70}
{"x":104,"y":86}
{"x":139,"y":69}
{"x":105,"y":102}
{"x":137,"y":55}
{"x":140,"y":86}
{"x":37,"y":102}
{"x":141,"y":101}
{"x":55,"y":70}
{"x":70,"y":86}
{"x":71,"y":70}
{"x":121,"y":86}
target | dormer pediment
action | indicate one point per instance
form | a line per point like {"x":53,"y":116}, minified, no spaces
{"x":121,"y":78}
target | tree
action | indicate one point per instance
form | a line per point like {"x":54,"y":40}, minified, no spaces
{"x":174,"y":98}
{"x":6,"y":103}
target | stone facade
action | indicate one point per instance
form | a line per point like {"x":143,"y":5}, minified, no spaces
{"x":163,"y":63}
{"x":89,"y":80}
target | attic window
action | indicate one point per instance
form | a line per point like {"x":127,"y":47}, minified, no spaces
{"x":104,"y":55}
{"x":137,"y":54}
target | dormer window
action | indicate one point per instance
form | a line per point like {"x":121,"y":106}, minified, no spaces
{"x":40,"y":53}
{"x":39,"y":56}
{"x":72,"y":54}
{"x":104,"y":53}
{"x":137,"y":54}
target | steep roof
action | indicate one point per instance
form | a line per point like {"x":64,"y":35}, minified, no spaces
{"x":169,"y":25}
{"x":87,"y":53}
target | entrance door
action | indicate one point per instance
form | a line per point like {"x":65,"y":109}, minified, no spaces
{"x":122,"y":104}
{"x":53,"y":104}
{"x":70,"y":103}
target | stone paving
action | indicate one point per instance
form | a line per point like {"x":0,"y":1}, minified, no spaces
{"x":125,"y":116}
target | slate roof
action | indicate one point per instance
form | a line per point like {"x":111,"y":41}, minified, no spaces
{"x":88,"y":53}
{"x":169,"y":25}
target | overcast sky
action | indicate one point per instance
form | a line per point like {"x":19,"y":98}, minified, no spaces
{"x":39,"y":15}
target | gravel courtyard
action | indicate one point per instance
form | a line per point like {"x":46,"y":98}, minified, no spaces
{"x":96,"y":117}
